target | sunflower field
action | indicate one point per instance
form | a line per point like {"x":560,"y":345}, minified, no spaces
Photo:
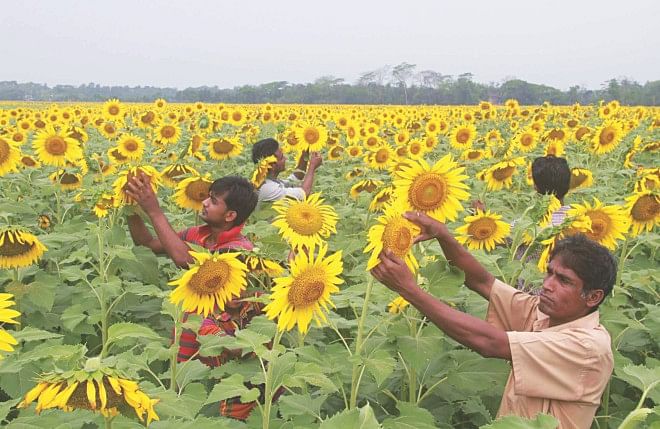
{"x":90,"y":324}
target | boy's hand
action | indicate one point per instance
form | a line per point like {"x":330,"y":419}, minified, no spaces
{"x":139,"y":189}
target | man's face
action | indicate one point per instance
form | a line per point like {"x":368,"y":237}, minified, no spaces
{"x":562,"y":297}
{"x":281,"y":161}
{"x":215,"y":212}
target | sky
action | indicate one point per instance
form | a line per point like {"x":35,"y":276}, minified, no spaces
{"x":226,"y":44}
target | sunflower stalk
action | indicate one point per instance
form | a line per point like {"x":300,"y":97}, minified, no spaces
{"x":359,"y":342}
{"x":269,"y":390}
{"x":178,"y":316}
{"x":104,"y":279}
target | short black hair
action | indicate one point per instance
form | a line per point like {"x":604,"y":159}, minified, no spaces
{"x":239,"y":195}
{"x":551,"y":175}
{"x":264,"y":148}
{"x":592,"y":263}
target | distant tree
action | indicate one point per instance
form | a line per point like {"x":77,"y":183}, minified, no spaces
{"x":401,"y":74}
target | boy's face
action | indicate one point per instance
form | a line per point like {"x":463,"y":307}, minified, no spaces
{"x":215,"y":212}
{"x":281,"y":161}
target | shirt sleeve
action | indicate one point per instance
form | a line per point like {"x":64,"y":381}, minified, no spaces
{"x":556,"y":365}
{"x":510,"y":309}
{"x":273,"y":191}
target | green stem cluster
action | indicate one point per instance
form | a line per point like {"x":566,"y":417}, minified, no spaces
{"x":358,"y":368}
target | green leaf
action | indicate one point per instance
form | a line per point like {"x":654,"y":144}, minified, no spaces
{"x":380,"y":365}
{"x":186,"y":405}
{"x":121,"y":331}
{"x":189,"y":371}
{"x":28,"y":334}
{"x":636,"y":417}
{"x":309,"y":373}
{"x":301,"y":405}
{"x":362,"y":418}
{"x":231,"y":387}
{"x":542,"y":421}
{"x":282,"y":366}
{"x":642,"y":378}
{"x":410,"y":417}
{"x":5,"y":407}
{"x":251,"y":341}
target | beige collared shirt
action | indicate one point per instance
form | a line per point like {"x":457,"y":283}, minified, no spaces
{"x":560,"y":370}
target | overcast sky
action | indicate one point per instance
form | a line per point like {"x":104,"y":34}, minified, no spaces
{"x":230,"y":43}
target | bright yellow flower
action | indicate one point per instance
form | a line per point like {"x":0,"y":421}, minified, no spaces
{"x":191,"y":192}
{"x":395,"y":233}
{"x":483,"y":231}
{"x":55,"y":148}
{"x":305,"y":223}
{"x":19,"y":248}
{"x":608,"y":223}
{"x":643,"y":210}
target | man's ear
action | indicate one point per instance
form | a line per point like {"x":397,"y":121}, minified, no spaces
{"x":231,"y":216}
{"x":593,"y":298}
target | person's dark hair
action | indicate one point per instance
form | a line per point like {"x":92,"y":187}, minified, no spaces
{"x":551,"y":175}
{"x":264,"y":148}
{"x":239,"y":195}
{"x":592,"y":263}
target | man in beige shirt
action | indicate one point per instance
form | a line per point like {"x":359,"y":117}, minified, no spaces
{"x":561,"y":356}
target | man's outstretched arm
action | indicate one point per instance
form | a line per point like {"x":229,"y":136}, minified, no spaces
{"x":472,"y":332}
{"x":477,"y":277}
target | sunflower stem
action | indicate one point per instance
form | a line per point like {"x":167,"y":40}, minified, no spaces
{"x":359,"y":342}
{"x":108,"y":422}
{"x":269,"y":390}
{"x":175,"y":348}
{"x":103,"y":276}
{"x":622,"y":262}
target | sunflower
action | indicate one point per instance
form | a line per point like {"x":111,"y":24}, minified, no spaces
{"x":416,"y":148}
{"x":336,"y":152}
{"x":381,"y":198}
{"x":397,"y":305}
{"x":103,"y":205}
{"x":191,"y":192}
{"x":366,"y":185}
{"x":55,"y":148}
{"x":435,"y":190}
{"x":225,"y":148}
{"x":473,"y":154}
{"x":305,"y":223}
{"x":168,"y":133}
{"x":643,"y":211}
{"x":257,"y":264}
{"x":581,"y":178}
{"x":44,"y":221}
{"x":462,"y":136}
{"x":119,"y":185}
{"x":113,"y":110}
{"x":483,"y":231}
{"x":7,"y":315}
{"x":607,"y":137}
{"x":381,"y":158}
{"x":395,"y":233}
{"x":10,"y":156}
{"x":146,"y":119}
{"x":173,"y":174}
{"x":102,"y":390}
{"x":67,"y":181}
{"x":110,"y":130}
{"x":500,"y":175}
{"x":19,"y":248}
{"x":131,"y":146}
{"x":311,"y":137}
{"x":29,"y":162}
{"x":354,"y":151}
{"x":608,"y":223}
{"x":526,"y":140}
{"x":305,"y":294}
{"x":237,"y":117}
{"x":555,"y":148}
{"x":212,"y":281}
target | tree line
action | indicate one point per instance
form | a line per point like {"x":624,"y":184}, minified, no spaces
{"x":400,"y":84}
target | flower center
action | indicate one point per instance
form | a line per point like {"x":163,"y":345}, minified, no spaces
{"x":131,"y":145}
{"x":198,"y":190}
{"x":577,"y":180}
{"x":311,"y":135}
{"x":16,"y":248}
{"x":55,"y":145}
{"x":482,"y":229}
{"x":210,"y":278}
{"x":69,"y":179}
{"x":109,"y":128}
{"x":113,"y":110}
{"x":306,"y":289}
{"x":397,"y":237}
{"x":427,"y":192}
{"x":304,"y":219}
{"x":600,"y":225}
{"x":148,"y":117}
{"x":646,"y":208}
{"x":607,"y":136}
{"x":463,"y":135}
{"x":4,"y":151}
{"x":382,"y":156}
{"x":222,"y":146}
{"x":501,"y":174}
{"x":168,"y":131}
{"x":526,"y":140}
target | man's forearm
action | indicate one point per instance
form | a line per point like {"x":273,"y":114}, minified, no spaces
{"x":477,"y":277}
{"x":468,"y":330}
{"x":173,"y":245}
{"x":308,"y":181}
{"x":139,"y":232}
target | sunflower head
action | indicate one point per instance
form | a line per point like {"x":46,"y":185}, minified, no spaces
{"x":19,"y":248}
{"x":191,"y":192}
{"x":395,"y":233}
{"x":483,"y":231}
{"x":305,"y":223}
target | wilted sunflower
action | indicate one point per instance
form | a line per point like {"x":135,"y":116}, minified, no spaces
{"x":19,"y":248}
{"x":119,"y":186}
{"x":7,"y":315}
{"x":436,"y":191}
{"x":462,"y":136}
{"x":168,"y":133}
{"x":103,"y":205}
{"x":500,"y":175}
{"x":84,"y":389}
{"x":212,"y":281}
{"x":305,"y":293}
{"x":366,"y":185}
{"x":257,"y":264}
{"x":607,"y":137}
{"x":55,"y":148}
{"x":225,"y":148}
{"x":175,"y":173}
{"x":44,"y":221}
{"x":311,"y":137}
{"x":643,"y":210}
{"x":395,"y":233}
{"x":67,"y":181}
{"x":131,"y":146}
{"x":381,"y":198}
{"x":608,"y":223}
{"x":261,"y":171}
{"x":10,"y":156}
{"x":191,"y":192}
{"x":581,"y":178}
{"x":305,"y":223}
{"x":483,"y":231}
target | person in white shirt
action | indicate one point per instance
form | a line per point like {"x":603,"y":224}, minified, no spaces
{"x":274,"y":189}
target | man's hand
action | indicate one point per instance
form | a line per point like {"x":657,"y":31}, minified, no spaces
{"x":394,"y":273}
{"x":139,"y":189}
{"x":315,"y":161}
{"x":430,"y":228}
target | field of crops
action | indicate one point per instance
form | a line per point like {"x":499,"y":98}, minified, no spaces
{"x":89,"y":326}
